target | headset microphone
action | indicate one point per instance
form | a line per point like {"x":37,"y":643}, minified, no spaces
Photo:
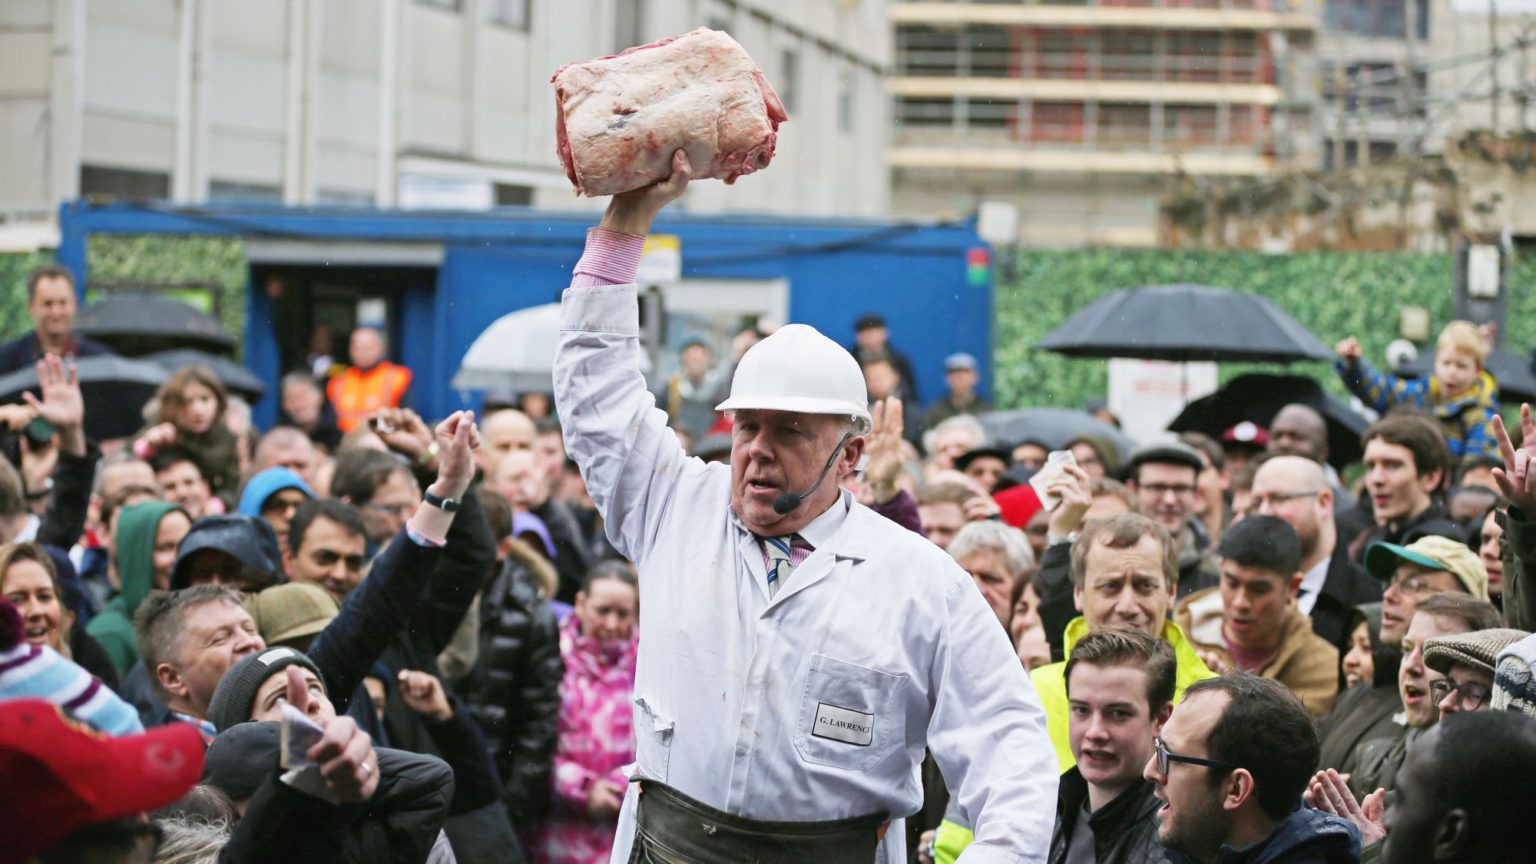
{"x":787,"y":502}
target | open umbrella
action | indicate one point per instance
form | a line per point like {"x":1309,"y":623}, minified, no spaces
{"x":1513,"y":372}
{"x":234,"y":376}
{"x":1258,"y":398}
{"x":1184,"y":323}
{"x":517,"y":352}
{"x":115,"y":391}
{"x":1052,"y":427}
{"x":137,"y":324}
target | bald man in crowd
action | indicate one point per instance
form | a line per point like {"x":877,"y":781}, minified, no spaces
{"x":1295,"y":488}
{"x":502,"y":432}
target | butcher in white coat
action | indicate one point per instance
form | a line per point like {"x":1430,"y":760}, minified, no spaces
{"x":798,"y":652}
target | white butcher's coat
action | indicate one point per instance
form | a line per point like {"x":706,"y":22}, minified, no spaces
{"x":731,"y":685}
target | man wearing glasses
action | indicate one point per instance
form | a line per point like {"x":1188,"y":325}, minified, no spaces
{"x":1230,"y":768}
{"x":1164,"y":479}
{"x":1466,"y":661}
{"x":1296,"y":489}
{"x":1375,"y":763}
{"x":1430,"y":565}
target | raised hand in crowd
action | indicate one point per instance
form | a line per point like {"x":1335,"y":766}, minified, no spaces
{"x":424,"y":694}
{"x":457,"y":440}
{"x":1517,"y":479}
{"x":16,"y":416}
{"x":1329,"y":792}
{"x":159,"y":436}
{"x":884,"y":451}
{"x":62,"y":403}
{"x":1348,"y":349}
{"x":403,"y":431}
{"x":344,"y":753}
{"x":1074,"y":488}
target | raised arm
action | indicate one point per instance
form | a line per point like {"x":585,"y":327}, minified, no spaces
{"x":630,"y":460}
{"x":377,"y":612}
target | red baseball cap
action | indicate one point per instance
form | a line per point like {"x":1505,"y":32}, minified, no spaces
{"x":61,"y":776}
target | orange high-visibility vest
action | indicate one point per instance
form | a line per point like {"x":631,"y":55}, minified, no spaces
{"x":355,"y":394}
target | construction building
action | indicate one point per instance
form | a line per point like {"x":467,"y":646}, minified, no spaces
{"x":1080,"y":113}
{"x":442,"y":104}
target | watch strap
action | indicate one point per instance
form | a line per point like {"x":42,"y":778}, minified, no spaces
{"x":447,"y":505}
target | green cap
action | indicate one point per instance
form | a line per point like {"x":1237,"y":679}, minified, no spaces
{"x":1434,"y":552}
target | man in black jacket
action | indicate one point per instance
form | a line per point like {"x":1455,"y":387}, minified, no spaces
{"x":1120,"y":685}
{"x":1405,"y":464}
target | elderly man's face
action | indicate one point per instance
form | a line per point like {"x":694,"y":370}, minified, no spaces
{"x":941,"y":521}
{"x":521,"y":480}
{"x":989,"y":569}
{"x":778,"y":452}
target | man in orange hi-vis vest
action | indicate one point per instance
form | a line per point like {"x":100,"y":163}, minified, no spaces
{"x":370,"y":384}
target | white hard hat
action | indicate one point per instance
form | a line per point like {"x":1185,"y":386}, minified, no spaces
{"x":798,"y":369}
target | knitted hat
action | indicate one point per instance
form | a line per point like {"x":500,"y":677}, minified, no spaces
{"x":1478,"y":649}
{"x":236,"y":695}
{"x":242,"y":759}
{"x":292,"y":610}
{"x":60,"y":777}
{"x":1514,"y":678}
{"x":264,"y":484}
{"x":1435,"y":552}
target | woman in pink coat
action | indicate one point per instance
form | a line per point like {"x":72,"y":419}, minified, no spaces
{"x":598,"y":642}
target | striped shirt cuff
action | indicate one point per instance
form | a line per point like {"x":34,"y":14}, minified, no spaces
{"x":611,"y":258}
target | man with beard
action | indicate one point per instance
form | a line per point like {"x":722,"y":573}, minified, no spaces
{"x":1165,"y":479}
{"x":1295,"y":489}
{"x":1230,"y":767}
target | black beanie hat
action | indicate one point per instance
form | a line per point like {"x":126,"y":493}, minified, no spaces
{"x":242,"y":759}
{"x":236,"y":695}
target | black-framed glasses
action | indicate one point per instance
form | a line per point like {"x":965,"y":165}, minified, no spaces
{"x":1164,"y":756}
{"x":1470,"y":695}
{"x":1158,"y":490}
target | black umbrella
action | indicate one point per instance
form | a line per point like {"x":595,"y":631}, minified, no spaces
{"x":1258,"y":398}
{"x":235,"y":377}
{"x":1513,"y":372}
{"x":137,"y":324}
{"x":1052,"y":427}
{"x":115,"y":391}
{"x":1182,"y":323}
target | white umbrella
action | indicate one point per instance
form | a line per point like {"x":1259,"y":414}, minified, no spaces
{"x":517,"y":352}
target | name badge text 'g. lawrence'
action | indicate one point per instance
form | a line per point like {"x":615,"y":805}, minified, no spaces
{"x":841,"y":724}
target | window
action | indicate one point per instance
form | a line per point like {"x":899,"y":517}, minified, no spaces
{"x":451,"y":5}
{"x":789,"y":75}
{"x":845,"y":101}
{"x":1057,"y":122}
{"x":229,"y":190}
{"x":508,"y":194}
{"x":1124,"y":127}
{"x":123,"y":182}
{"x":912,"y":111}
{"x":511,"y":13}
{"x":1189,"y":125}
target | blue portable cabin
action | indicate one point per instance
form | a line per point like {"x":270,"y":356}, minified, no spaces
{"x":445,"y":276}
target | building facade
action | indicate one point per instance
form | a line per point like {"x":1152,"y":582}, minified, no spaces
{"x":1079,"y":113}
{"x":416,"y":103}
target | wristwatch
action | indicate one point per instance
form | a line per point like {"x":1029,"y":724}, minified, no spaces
{"x":447,"y":505}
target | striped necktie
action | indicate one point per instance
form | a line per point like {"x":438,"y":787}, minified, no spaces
{"x":778,"y":554}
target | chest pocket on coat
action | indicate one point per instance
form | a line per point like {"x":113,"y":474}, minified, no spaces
{"x":850,"y":716}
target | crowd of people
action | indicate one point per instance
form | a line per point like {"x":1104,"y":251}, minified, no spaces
{"x":360,"y":635}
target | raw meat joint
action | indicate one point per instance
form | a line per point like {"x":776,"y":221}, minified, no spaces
{"x":619,"y":119}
